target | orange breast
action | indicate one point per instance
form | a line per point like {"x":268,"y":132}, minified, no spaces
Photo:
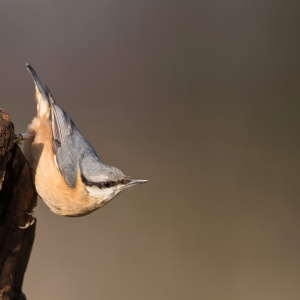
{"x":49,"y":183}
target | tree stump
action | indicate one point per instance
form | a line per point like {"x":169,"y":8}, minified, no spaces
{"x":17,"y":201}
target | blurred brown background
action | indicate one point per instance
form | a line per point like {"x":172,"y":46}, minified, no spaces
{"x":201,"y":98}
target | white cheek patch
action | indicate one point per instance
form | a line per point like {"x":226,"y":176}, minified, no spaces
{"x":96,"y":192}
{"x":101,"y":195}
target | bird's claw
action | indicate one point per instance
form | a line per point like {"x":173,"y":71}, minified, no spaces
{"x":22,"y":136}
{"x":30,"y":222}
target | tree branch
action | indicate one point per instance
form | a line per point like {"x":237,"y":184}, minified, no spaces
{"x":17,"y":201}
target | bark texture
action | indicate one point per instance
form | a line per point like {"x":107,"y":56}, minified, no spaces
{"x":17,"y":201}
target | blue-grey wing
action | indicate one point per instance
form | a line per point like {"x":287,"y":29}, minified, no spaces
{"x":62,"y":125}
{"x":68,"y":144}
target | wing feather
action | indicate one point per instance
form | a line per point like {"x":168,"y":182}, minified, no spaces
{"x":62,"y":125}
{"x":69,"y":146}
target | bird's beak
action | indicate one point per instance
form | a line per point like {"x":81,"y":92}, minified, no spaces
{"x":134,"y":181}
{"x":37,"y":82}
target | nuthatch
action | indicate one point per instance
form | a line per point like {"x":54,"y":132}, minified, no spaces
{"x":68,"y":174}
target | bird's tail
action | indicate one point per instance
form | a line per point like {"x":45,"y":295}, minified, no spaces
{"x":41,"y":95}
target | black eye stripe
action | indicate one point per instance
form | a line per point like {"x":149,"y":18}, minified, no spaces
{"x":106,"y":184}
{"x":103,"y":184}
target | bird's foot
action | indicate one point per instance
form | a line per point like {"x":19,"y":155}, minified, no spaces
{"x":22,"y":136}
{"x":30,"y":221}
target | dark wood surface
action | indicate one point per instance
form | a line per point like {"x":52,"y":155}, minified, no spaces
{"x":17,"y":201}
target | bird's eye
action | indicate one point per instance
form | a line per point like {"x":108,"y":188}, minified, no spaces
{"x":107,"y":184}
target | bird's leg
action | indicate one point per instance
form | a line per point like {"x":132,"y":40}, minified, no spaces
{"x":23,"y":136}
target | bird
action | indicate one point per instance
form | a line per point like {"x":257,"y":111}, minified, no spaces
{"x":67,"y":172}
